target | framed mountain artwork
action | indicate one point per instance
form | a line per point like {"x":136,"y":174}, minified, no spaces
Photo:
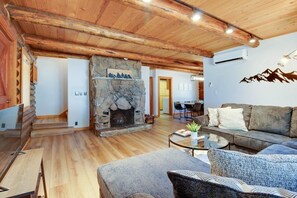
{"x":119,"y":73}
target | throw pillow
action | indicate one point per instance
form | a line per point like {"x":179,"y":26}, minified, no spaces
{"x":247,"y":110}
{"x":198,"y":184}
{"x":271,"y":119}
{"x":231,"y":119}
{"x":274,"y":170}
{"x":213,"y":116}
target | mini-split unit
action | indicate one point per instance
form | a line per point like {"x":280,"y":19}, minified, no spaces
{"x":230,"y":56}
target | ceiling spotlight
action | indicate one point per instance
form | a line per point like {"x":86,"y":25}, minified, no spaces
{"x":284,"y":60}
{"x":252,"y":40}
{"x":126,"y":59}
{"x":229,"y":30}
{"x":147,"y":1}
{"x":196,"y":16}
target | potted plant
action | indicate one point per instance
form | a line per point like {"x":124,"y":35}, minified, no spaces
{"x":193,"y":127}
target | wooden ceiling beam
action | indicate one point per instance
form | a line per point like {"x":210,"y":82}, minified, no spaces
{"x":38,"y":52}
{"x":44,"y":18}
{"x":173,"y":10}
{"x":76,"y":48}
{"x":154,"y":66}
{"x":180,"y":66}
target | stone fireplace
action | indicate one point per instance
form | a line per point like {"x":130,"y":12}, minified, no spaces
{"x":117,"y":105}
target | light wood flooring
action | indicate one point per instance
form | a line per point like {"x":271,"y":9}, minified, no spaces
{"x":51,"y":120}
{"x":71,"y":161}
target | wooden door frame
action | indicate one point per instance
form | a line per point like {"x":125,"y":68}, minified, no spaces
{"x":170,"y":93}
{"x":151,"y":95}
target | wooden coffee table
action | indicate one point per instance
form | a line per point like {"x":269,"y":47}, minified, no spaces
{"x":205,"y":141}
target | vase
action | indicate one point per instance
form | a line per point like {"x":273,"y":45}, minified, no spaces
{"x":194,"y":135}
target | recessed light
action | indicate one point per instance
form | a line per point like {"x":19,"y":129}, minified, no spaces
{"x":147,"y":1}
{"x":196,"y":16}
{"x":229,"y":30}
{"x":126,"y":59}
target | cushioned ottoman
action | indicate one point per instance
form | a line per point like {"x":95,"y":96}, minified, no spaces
{"x":145,"y":173}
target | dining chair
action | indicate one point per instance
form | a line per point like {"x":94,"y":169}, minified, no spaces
{"x":189,"y":110}
{"x":178,"y":108}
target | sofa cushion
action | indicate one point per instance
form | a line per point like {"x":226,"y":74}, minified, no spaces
{"x":293,"y":129}
{"x":258,"y":140}
{"x":264,"y":170}
{"x":202,"y":120}
{"x":246,"y":111}
{"x":231,"y":119}
{"x":145,"y":173}
{"x":140,"y":195}
{"x":291,"y":143}
{"x":226,"y":133}
{"x":271,"y":119}
{"x":279,"y":149}
{"x":196,"y":184}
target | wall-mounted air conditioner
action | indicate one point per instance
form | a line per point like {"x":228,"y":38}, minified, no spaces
{"x":231,"y":56}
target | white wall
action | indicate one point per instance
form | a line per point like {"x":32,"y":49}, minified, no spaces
{"x":78,"y":93}
{"x":225,"y":78}
{"x":9,"y":117}
{"x":145,"y":76}
{"x":180,"y":81}
{"x":51,"y":88}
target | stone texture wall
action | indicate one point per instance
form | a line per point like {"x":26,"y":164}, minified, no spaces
{"x":100,"y":64}
{"x":111,"y":94}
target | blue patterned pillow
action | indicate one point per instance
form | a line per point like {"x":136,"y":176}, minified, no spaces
{"x":197,"y":184}
{"x":264,"y":170}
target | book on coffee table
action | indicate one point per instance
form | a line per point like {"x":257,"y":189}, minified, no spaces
{"x":183,"y":132}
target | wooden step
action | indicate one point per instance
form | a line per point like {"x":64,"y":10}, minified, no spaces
{"x":52,"y":132}
{"x":50,"y":125}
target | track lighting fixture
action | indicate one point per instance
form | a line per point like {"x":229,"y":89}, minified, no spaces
{"x":196,"y":16}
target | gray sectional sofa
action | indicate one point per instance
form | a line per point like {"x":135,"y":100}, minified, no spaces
{"x":173,"y":173}
{"x":267,"y":125}
{"x":145,"y":176}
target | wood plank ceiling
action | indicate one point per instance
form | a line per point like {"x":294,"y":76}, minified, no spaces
{"x":263,"y":18}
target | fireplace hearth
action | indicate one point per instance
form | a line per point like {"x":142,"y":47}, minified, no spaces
{"x":121,"y":118}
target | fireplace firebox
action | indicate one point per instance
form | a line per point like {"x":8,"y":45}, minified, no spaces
{"x":121,"y":118}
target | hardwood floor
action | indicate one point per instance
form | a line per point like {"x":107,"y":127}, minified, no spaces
{"x":71,"y":161}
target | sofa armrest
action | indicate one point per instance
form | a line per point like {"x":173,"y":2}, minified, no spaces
{"x":202,"y":120}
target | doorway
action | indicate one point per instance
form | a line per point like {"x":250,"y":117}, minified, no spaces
{"x":165,"y":95}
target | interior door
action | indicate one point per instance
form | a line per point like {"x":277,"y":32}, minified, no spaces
{"x":7,"y":65}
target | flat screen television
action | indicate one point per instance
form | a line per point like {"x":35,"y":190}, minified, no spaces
{"x":10,"y":136}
